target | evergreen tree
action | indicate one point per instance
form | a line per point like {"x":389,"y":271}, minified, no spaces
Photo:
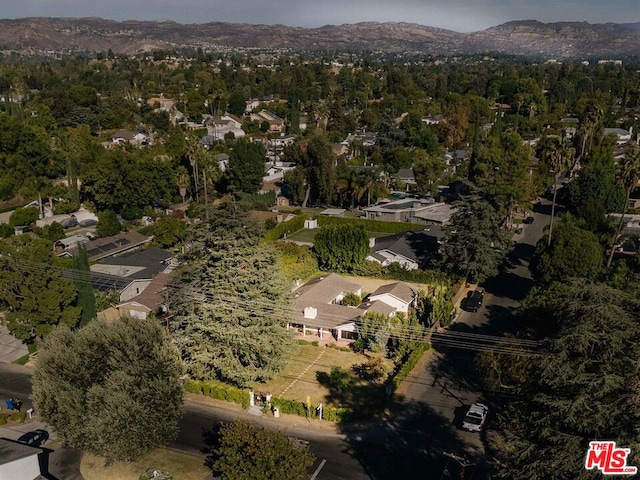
{"x":584,"y":385}
{"x":112,"y":389}
{"x":230,"y":301}
{"x":341,"y":247}
{"x":474,"y":246}
{"x":36,"y":295}
{"x":82,"y":280}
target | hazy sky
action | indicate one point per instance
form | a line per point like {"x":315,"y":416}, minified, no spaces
{"x":457,"y":15}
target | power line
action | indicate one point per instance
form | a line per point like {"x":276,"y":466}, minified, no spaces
{"x":260,"y":307}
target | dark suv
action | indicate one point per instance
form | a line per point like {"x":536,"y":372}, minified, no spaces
{"x":474,"y":300}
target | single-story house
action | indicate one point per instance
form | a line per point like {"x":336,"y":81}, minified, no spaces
{"x":398,"y":295}
{"x":151,"y":300}
{"x":411,"y":210}
{"x":409,"y":249}
{"x":407,"y":176}
{"x":113,"y":245}
{"x":19,"y":461}
{"x":318,"y":308}
{"x":125,"y":136}
{"x":622,"y":135}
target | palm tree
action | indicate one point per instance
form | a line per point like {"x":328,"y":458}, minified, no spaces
{"x":629,"y":173}
{"x":182,"y":180}
{"x":561,"y":158}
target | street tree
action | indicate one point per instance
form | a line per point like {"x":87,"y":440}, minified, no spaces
{"x":341,"y":247}
{"x":579,"y":388}
{"x":474,"y":245}
{"x":33,"y":290}
{"x":246,"y":452}
{"x":111,"y":388}
{"x":229,"y":302}
{"x":573,"y":252}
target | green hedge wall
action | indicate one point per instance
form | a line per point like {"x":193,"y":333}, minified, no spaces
{"x":411,"y":361}
{"x":369,"y":225}
{"x":219,"y":392}
{"x":289,"y":227}
{"x":293,"y":407}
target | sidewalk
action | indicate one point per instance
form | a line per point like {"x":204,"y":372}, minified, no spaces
{"x":254,"y":414}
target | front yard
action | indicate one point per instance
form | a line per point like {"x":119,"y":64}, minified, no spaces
{"x":307,"y":374}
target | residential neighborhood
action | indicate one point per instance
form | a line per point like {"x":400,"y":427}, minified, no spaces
{"x":360,"y":266}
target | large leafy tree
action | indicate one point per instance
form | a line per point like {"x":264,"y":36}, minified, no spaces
{"x":583,"y":386}
{"x":341,"y":247}
{"x":475,"y":245}
{"x":573,"y":252}
{"x":112,"y":389}
{"x":247,"y":452}
{"x":230,"y":302}
{"x":33,"y":290}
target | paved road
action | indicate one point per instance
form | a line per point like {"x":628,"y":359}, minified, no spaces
{"x":444,"y":383}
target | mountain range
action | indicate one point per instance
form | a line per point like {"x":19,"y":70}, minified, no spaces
{"x":42,"y":36}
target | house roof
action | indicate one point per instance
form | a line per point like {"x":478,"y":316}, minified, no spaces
{"x":152,"y":296}
{"x":406,"y":173}
{"x":151,"y":260}
{"x":324,"y":289}
{"x":107,"y":246}
{"x":11,"y":450}
{"x":376,"y":307}
{"x":415,"y":245}
{"x":399,"y":290}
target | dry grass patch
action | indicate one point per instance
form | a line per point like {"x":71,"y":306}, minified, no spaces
{"x":180,"y":465}
{"x":307,"y":364}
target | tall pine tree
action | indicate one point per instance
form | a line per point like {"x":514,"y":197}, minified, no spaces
{"x":229,"y":302}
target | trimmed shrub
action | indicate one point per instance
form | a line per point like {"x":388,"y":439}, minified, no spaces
{"x":369,"y":225}
{"x":18,"y":417}
{"x":289,"y":227}
{"x":219,"y":392}
{"x":408,"y":364}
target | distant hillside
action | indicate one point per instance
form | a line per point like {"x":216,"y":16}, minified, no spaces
{"x":32,"y":36}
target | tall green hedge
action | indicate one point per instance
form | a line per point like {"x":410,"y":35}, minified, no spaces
{"x":369,"y":225}
{"x":289,"y":227}
{"x":219,"y":392}
{"x":410,"y":362}
{"x":294,"y":407}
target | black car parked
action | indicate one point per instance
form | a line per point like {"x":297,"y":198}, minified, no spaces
{"x":36,"y":438}
{"x":474,"y":300}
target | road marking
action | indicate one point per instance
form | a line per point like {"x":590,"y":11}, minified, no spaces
{"x":315,"y":474}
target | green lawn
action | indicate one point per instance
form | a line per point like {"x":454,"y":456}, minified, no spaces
{"x":180,"y":465}
{"x":301,"y":376}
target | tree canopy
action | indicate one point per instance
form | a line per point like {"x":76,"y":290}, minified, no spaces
{"x":341,"y":247}
{"x":475,"y":245}
{"x":34,"y":291}
{"x":111,"y":388}
{"x":230,"y":302}
{"x":248,"y":452}
{"x":582,"y":387}
{"x":573,"y":252}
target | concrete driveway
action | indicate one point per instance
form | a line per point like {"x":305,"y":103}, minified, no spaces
{"x":11,"y":348}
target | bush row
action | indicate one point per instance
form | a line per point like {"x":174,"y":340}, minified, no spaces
{"x":289,"y":227}
{"x":408,"y":364}
{"x":369,"y":225}
{"x":294,"y":407}
{"x":396,"y":272}
{"x":219,"y":392}
{"x":16,"y":417}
